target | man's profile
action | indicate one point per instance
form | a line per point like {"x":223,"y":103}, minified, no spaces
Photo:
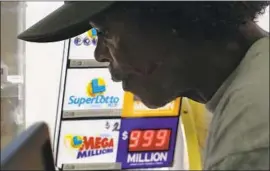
{"x":211,"y":52}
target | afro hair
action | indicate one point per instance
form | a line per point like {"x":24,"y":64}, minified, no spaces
{"x":204,"y":18}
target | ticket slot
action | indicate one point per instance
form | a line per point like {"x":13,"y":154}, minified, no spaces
{"x":91,"y":113}
{"x":92,"y":166}
{"x":86,"y":63}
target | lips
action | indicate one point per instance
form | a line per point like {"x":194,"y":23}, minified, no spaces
{"x":116,"y":75}
{"x":116,"y":79}
{"x":124,"y":85}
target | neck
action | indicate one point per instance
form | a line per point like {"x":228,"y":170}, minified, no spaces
{"x":225,"y":60}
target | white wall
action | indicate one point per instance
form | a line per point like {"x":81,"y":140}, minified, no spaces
{"x":263,"y":21}
{"x":43,"y":68}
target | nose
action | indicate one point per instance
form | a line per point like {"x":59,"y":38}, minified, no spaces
{"x":102,"y":53}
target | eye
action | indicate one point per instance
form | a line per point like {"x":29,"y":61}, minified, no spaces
{"x":101,"y":32}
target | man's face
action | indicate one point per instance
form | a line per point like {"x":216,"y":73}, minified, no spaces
{"x":142,"y":57}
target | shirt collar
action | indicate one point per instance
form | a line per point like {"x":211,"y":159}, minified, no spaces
{"x":257,"y":47}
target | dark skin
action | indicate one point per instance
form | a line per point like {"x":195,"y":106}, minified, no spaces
{"x":157,"y":65}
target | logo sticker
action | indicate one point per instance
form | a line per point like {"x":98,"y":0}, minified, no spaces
{"x":91,"y":146}
{"x":90,"y":38}
{"x":96,"y":87}
{"x":95,"y":95}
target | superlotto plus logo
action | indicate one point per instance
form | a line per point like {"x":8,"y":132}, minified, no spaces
{"x":95,"y":96}
{"x":89,"y":146}
{"x":89,"y":39}
{"x":96,"y":87}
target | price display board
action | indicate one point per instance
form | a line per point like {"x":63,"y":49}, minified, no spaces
{"x":88,"y":141}
{"x":91,"y":92}
{"x":147,"y":142}
{"x":133,"y":107}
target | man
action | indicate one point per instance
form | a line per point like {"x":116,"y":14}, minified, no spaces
{"x":211,"y":52}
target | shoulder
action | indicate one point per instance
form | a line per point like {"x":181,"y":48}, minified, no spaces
{"x":241,"y":120}
{"x":244,"y":110}
{"x":249,"y":91}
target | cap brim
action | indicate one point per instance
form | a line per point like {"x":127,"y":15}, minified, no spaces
{"x":70,"y":20}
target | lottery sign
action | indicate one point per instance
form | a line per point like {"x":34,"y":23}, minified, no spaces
{"x":147,"y":142}
{"x":88,"y":141}
{"x":133,"y":107}
{"x":90,"y":92}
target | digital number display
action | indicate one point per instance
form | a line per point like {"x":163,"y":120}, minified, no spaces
{"x":149,"y":140}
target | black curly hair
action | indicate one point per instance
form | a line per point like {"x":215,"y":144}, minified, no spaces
{"x":200,"y":18}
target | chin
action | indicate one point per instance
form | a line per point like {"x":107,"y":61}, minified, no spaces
{"x":148,"y":100}
{"x":154,"y":104}
{"x":196,"y":98}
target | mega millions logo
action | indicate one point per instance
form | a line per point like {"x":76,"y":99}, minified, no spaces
{"x":89,"y":146}
{"x":87,"y":39}
{"x":95,"y":95}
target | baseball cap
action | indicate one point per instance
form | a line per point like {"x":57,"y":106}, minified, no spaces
{"x":69,"y":20}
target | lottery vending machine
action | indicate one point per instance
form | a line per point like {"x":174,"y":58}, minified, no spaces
{"x":101,"y":127}
{"x":89,"y":110}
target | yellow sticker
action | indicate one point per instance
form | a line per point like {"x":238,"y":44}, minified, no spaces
{"x":135,"y":108}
